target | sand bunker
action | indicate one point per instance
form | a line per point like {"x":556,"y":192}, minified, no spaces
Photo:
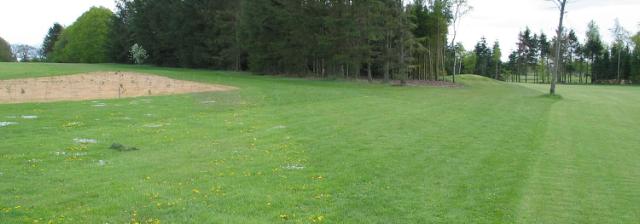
{"x":100,"y":85}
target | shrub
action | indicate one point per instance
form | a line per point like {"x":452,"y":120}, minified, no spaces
{"x":138,"y":54}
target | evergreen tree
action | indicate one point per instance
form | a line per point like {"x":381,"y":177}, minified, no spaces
{"x":120,"y":36}
{"x":512,"y":65}
{"x":50,"y":40}
{"x":532,"y":53}
{"x":601,"y":68}
{"x":545,"y":53}
{"x":593,"y":47}
{"x":376,"y":38}
{"x":635,"y":59}
{"x":523,"y":54}
{"x":571,"y":46}
{"x":431,"y":21}
{"x":369,"y":20}
{"x":484,"y":57}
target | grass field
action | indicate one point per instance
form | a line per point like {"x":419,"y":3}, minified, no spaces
{"x":282,"y":150}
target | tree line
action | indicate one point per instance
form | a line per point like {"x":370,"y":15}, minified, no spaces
{"x":533,"y":59}
{"x":377,"y":39}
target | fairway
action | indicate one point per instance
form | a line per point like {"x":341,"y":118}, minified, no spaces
{"x":286,"y":150}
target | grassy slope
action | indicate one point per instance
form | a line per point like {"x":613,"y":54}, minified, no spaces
{"x":486,"y":153}
{"x":587,"y":170}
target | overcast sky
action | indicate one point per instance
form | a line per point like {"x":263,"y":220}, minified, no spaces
{"x":502,"y":19}
{"x":27,"y":21}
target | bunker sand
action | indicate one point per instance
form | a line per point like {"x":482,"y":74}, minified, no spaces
{"x":98,"y":85}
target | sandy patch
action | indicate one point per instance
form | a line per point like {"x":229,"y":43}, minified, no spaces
{"x":99,"y":85}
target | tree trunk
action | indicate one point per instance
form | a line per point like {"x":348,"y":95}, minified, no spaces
{"x":387,"y":63}
{"x":592,"y":73}
{"x":460,"y":66}
{"x":619,"y":54}
{"x":552,"y":91}
{"x":496,"y":75}
{"x":402,"y":70}
{"x":386,"y":71}
{"x":369,"y":74}
{"x":455,"y":61}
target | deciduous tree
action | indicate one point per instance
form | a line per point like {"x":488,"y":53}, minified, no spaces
{"x":621,"y":38}
{"x":24,"y":53}
{"x":87,"y":39}
{"x":5,"y":51}
{"x":460,"y":8}
{"x":593,"y":47}
{"x":561,"y":4}
{"x":497,"y":55}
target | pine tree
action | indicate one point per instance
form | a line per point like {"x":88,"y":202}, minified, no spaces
{"x":484,"y":57}
{"x":545,"y":53}
{"x":379,"y":38}
{"x":50,"y":40}
{"x":593,"y":48}
{"x":572,"y":46}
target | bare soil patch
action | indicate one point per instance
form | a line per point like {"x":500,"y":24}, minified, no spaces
{"x":98,"y":85}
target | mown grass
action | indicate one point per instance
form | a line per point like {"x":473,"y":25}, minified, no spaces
{"x":283,"y":150}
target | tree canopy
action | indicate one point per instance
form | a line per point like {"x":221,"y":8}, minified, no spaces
{"x":588,"y":61}
{"x":5,"y":51}
{"x":87,"y":40}
{"x":383,"y":39}
{"x":320,"y":38}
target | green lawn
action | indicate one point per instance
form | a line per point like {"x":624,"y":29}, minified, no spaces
{"x":282,"y":150}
